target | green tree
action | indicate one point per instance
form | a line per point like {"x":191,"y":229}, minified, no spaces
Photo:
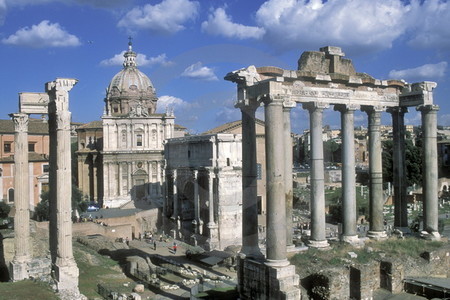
{"x":4,"y":210}
{"x":331,"y":151}
{"x":78,"y":203}
{"x":413,"y":162}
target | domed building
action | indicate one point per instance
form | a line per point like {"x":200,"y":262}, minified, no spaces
{"x":122,"y":157}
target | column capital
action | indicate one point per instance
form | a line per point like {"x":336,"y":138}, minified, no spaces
{"x":428,"y":108}
{"x":373,"y":108}
{"x":312,"y":106}
{"x":247,"y":105}
{"x":288,"y":104}
{"x":20,"y":122}
{"x":351,"y":107}
{"x":397,"y":109}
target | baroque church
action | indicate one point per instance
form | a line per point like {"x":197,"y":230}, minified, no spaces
{"x":121,"y":157}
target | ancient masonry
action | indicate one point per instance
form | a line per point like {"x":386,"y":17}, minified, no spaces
{"x":323,"y":78}
{"x":55,"y":103}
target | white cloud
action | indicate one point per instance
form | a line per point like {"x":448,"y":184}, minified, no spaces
{"x":166,"y":17}
{"x":413,"y":118}
{"x":425,"y":72}
{"x":198,"y":71}
{"x":170,"y":102}
{"x":45,"y":34}
{"x":444,"y":120}
{"x":141,"y":60}
{"x":219,"y":23}
{"x":357,"y":24}
{"x":430,"y":24}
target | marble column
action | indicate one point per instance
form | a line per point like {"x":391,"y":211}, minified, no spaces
{"x":64,"y":265}
{"x":19,"y":265}
{"x":288,"y":162}
{"x":376,"y":196}
{"x":196,"y":221}
{"x":276,"y":200}
{"x":349,"y":233}
{"x":318,"y":235}
{"x":430,"y":171}
{"x":213,"y":241}
{"x":250,"y":246}
{"x":399,"y":167}
{"x":175,"y":196}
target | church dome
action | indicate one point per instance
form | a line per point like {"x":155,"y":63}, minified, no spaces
{"x":129,"y":89}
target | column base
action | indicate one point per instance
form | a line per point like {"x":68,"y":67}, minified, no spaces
{"x":351,"y":239}
{"x":276,"y":263}
{"x":257,"y":280}
{"x":18,"y":270}
{"x":431,"y":236}
{"x":377,"y":235}
{"x":317,"y":244}
{"x":66,"y":277}
{"x":251,"y":253}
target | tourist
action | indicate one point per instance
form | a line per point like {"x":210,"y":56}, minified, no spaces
{"x":154,"y":245}
{"x":174,"y":248}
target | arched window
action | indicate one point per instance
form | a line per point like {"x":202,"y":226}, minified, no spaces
{"x":11,"y":195}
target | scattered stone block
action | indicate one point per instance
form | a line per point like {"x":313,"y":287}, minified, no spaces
{"x":139,"y":288}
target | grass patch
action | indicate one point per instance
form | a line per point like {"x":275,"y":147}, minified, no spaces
{"x":338,"y":254}
{"x":26,"y":289}
{"x":95,"y":268}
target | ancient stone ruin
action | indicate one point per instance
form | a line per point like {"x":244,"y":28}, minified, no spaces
{"x":55,"y":103}
{"x":323,"y":78}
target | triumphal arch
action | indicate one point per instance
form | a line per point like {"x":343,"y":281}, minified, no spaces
{"x":323,"y":78}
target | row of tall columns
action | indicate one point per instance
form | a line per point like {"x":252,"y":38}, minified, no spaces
{"x":19,"y":265}
{"x":60,"y":179}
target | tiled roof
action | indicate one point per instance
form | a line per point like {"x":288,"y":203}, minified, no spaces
{"x":229,"y":126}
{"x":91,"y":125}
{"x":35,"y":126}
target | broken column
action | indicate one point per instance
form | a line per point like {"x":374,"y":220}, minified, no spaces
{"x":19,"y":265}
{"x":60,"y":179}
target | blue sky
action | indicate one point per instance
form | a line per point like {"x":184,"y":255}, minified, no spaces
{"x":186,"y":47}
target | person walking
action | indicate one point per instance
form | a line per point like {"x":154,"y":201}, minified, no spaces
{"x":174,"y":248}
{"x":154,"y":245}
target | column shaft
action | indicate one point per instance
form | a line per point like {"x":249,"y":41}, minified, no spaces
{"x":376,"y":175}
{"x":288,"y":162}
{"x":21,"y":198}
{"x":318,"y":238}
{"x":276,"y":200}
{"x":430,"y":170}
{"x":250,"y":246}
{"x":348,"y":174}
{"x":399,"y":167}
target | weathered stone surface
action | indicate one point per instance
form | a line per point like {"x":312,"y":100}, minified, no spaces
{"x":139,"y":288}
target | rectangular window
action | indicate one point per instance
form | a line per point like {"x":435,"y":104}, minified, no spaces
{"x":139,"y":140}
{"x":45,"y":168}
{"x":31,"y":147}
{"x":7,"y":147}
{"x":258,"y":171}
